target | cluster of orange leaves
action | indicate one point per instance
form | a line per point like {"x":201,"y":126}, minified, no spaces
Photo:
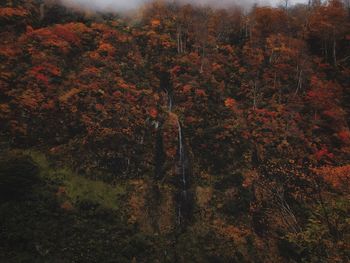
{"x":9,"y":12}
{"x":230,"y":103}
{"x":338,"y":177}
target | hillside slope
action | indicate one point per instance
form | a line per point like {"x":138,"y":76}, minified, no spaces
{"x":183,"y":135}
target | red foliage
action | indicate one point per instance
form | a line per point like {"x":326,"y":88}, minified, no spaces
{"x":344,"y":136}
{"x":42,"y":78}
{"x":153,"y":112}
{"x":323,"y":153}
{"x":200,"y":93}
{"x":99,"y":107}
{"x":65,"y":33}
{"x":117,"y":94}
{"x":43,"y":72}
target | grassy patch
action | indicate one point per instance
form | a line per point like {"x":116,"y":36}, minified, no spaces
{"x":78,"y":188}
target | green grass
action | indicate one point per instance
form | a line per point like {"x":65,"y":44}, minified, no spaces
{"x":79,"y":188}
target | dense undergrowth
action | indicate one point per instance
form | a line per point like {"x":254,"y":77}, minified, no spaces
{"x":98,"y":110}
{"x":61,"y":217}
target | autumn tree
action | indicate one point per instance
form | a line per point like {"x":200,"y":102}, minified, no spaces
{"x":327,"y":29}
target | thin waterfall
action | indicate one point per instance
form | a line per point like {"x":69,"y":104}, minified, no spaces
{"x":181,"y":155}
{"x":183,"y":202}
{"x":182,"y":196}
{"x":170,"y":104}
{"x":170,"y":100}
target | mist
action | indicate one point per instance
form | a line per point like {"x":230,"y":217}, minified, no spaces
{"x":128,"y":5}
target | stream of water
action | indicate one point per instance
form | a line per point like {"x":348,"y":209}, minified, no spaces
{"x":182,"y":202}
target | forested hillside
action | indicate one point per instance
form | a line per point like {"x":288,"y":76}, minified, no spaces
{"x":176,"y":134}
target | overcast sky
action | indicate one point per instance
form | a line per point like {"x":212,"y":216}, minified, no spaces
{"x":122,"y":5}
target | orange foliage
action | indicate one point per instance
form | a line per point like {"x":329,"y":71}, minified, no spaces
{"x":48,"y":39}
{"x":67,"y":206}
{"x":4,"y":110}
{"x":187,"y":88}
{"x":106,"y":48}
{"x":49,"y":105}
{"x":66,"y":96}
{"x":66,"y":34}
{"x":31,"y":99}
{"x":268,"y":20}
{"x":338,"y":177}
{"x":9,"y":52}
{"x":43,"y":72}
{"x":155,"y":22}
{"x":230,"y":103}
{"x":8,"y":13}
